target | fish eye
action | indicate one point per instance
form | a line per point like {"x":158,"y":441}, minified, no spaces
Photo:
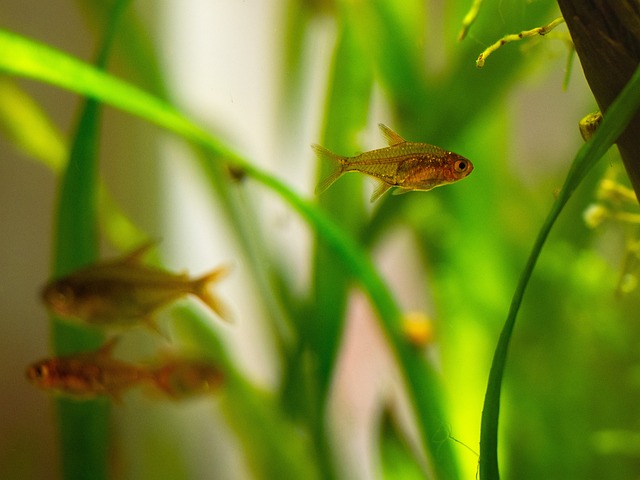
{"x":461,"y":166}
{"x":38,"y":372}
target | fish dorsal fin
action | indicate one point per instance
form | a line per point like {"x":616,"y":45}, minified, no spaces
{"x":135,"y":257}
{"x":392,"y":137}
{"x":105,"y":352}
{"x":379,"y":191}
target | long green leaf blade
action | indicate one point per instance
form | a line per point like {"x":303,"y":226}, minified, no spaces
{"x":346,"y":110}
{"x":83,"y":425}
{"x":614,"y":123}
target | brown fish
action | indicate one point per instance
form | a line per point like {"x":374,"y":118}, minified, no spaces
{"x":406,"y":165}
{"x":89,"y":374}
{"x":125,"y":291}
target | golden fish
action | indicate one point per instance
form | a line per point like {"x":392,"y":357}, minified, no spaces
{"x":125,"y":291}
{"x":88,"y":374}
{"x":406,"y":165}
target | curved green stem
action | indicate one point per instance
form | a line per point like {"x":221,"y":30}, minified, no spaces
{"x":614,"y":123}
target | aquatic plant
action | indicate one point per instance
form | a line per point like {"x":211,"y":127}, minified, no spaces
{"x":453,"y":254}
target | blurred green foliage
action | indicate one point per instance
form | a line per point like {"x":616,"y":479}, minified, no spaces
{"x":571,"y":381}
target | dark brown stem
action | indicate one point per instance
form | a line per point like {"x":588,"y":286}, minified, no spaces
{"x":606,"y":34}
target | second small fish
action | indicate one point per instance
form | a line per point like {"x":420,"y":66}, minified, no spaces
{"x":406,"y":165}
{"x":88,"y":375}
{"x":125,"y":291}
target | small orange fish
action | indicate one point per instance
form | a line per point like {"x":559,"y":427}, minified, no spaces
{"x":125,"y":291}
{"x":406,"y":165}
{"x":89,"y":374}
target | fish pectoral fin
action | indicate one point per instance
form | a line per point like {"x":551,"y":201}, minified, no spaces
{"x":401,"y":191}
{"x":392,"y":137}
{"x":379,"y":191}
{"x":426,"y":186}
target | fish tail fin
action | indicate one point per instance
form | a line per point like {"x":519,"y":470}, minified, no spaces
{"x":341,"y":164}
{"x":177,"y":380}
{"x":202,"y":288}
{"x":161,"y":374}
